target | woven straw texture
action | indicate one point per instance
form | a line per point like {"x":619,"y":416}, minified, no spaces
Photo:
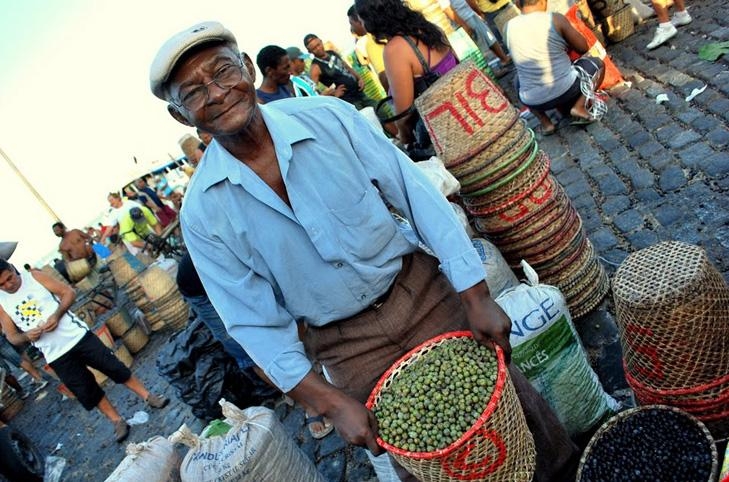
{"x":77,"y":269}
{"x":463,"y":112}
{"x":10,"y":402}
{"x":505,"y":165}
{"x":619,"y":25}
{"x":499,"y":447}
{"x":616,"y":420}
{"x":122,"y":353}
{"x":118,"y":321}
{"x":157,"y":283}
{"x":101,"y":331}
{"x":135,"y":339}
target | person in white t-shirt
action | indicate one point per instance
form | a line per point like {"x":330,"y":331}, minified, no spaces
{"x":34,"y":308}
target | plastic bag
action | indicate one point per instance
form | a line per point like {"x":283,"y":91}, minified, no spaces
{"x":155,"y":460}
{"x":548,"y":350}
{"x":202,"y":373}
{"x":439,"y":176}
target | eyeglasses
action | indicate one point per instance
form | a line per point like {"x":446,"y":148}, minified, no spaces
{"x":194,"y":97}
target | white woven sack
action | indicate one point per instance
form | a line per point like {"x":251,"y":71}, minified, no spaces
{"x":548,"y":350}
{"x":499,"y":276}
{"x":155,"y":460}
{"x":256,"y":448}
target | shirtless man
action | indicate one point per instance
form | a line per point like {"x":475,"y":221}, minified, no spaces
{"x":75,"y":244}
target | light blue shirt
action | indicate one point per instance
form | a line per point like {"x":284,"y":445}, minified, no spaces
{"x":266,"y":265}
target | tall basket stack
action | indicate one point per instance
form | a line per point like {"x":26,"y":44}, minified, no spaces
{"x":152,"y":290}
{"x":672,"y":310}
{"x":506,"y":185}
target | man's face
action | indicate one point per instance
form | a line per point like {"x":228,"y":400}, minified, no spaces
{"x":316,"y":48}
{"x":357,"y":27}
{"x":297,"y":66}
{"x":226,"y":111}
{"x":9,"y":281}
{"x":140,"y":183}
{"x":59,"y":231}
{"x":114,"y":202}
{"x":205,"y":137}
{"x":281,"y":73}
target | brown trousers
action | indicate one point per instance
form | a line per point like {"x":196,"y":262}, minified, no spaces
{"x":422,"y":304}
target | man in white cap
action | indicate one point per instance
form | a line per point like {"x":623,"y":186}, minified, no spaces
{"x":286,"y":226}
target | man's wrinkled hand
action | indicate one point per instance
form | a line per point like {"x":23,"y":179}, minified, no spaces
{"x":487,"y":320}
{"x":50,"y":324}
{"x":355,"y":424}
{"x":34,"y":334}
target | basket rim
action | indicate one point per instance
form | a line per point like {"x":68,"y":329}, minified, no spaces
{"x":487,"y":412}
{"x":508,"y":178}
{"x":473,"y":179}
{"x":614,"y":420}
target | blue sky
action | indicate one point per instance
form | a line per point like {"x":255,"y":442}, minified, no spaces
{"x":75,"y":106}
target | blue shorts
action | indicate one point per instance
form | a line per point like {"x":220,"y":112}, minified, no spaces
{"x":9,"y":352}
{"x":591,"y":65}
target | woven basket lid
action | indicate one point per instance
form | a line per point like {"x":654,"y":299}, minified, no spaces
{"x":666,"y":274}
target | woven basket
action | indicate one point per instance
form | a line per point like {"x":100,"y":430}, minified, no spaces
{"x":157,"y":283}
{"x":463,"y":112}
{"x":617,"y":420}
{"x":567,"y":276}
{"x":10,"y":402}
{"x":125,"y":267}
{"x":581,"y":307}
{"x":619,"y":26}
{"x":496,"y":171}
{"x":122,"y":353}
{"x":544,"y":228}
{"x":605,"y":8}
{"x":556,"y":247}
{"x":100,"y":378}
{"x":77,"y":269}
{"x":101,"y":331}
{"x":135,"y":339}
{"x":53,"y":273}
{"x":117,"y":320}
{"x":562,"y":262}
{"x":499,"y":447}
{"x":553,"y":209}
{"x":513,"y":139}
{"x":89,"y":282}
{"x":663,"y":293}
{"x":520,"y":213}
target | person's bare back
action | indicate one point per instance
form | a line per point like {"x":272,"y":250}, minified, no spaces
{"x":75,"y":245}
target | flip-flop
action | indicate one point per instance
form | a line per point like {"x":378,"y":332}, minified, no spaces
{"x":328,"y":427}
{"x":579,"y":121}
{"x":546,"y":133}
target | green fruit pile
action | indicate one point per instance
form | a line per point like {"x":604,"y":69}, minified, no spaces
{"x":436,"y":399}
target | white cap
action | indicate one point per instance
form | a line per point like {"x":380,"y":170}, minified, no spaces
{"x":172,"y":50}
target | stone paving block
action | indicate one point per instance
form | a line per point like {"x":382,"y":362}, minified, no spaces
{"x":603,"y":239}
{"x":590,"y":160}
{"x":561,"y":162}
{"x":333,"y":468}
{"x":569,"y":176}
{"x":672,"y":178}
{"x":667,"y":133}
{"x":638,"y":139}
{"x":647,"y":195}
{"x":669,"y":214}
{"x":709,"y":95}
{"x":641,"y":178}
{"x":578,"y":188}
{"x":611,"y":185}
{"x":609,"y":368}
{"x":705,"y":123}
{"x":629,"y":221}
{"x":585,"y":203}
{"x":673,"y":77}
{"x":643,"y":239}
{"x":649,"y":149}
{"x":683,"y":139}
{"x":666,"y":56}
{"x":330,"y":444}
{"x":614,"y":257}
{"x":717,"y":165}
{"x":719,"y":106}
{"x":694,"y":155}
{"x":718,"y":137}
{"x":628,"y":128}
{"x":721,"y":33}
{"x":654,"y":122}
{"x":661,"y":160}
{"x":614,"y":205}
{"x":597,"y":329}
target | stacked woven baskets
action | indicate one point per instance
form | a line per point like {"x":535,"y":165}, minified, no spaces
{"x":152,"y":290}
{"x":506,"y":185}
{"x":615,"y":18}
{"x":121,"y":326}
{"x":10,"y":402}
{"x":672,"y":310}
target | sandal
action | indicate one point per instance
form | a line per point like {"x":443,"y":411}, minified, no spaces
{"x":546,"y":132}
{"x":319,"y":419}
{"x":581,"y":121}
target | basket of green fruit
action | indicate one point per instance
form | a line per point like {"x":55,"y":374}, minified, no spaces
{"x":447,"y":411}
{"x":651,"y":443}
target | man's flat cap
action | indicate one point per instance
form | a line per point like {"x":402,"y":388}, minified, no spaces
{"x":172,"y":50}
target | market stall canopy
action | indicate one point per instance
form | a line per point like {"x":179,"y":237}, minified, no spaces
{"x":7,"y":248}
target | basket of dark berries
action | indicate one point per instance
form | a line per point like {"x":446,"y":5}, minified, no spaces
{"x":653,"y":443}
{"x":447,"y":411}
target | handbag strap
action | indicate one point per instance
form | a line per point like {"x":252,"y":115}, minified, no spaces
{"x":423,"y":63}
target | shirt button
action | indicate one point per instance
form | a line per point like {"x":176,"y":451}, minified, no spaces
{"x":362,"y":297}
{"x":338,"y":264}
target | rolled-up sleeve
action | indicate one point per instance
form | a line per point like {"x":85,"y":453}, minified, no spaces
{"x":248,"y":307}
{"x":427,"y":210}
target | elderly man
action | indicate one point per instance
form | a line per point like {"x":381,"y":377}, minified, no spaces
{"x":286,"y":225}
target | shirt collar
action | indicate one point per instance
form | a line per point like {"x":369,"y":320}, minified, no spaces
{"x":218,"y":164}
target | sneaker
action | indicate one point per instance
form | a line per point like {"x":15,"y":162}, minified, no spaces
{"x":680,"y":19}
{"x":121,"y":430}
{"x":663,"y":34}
{"x":38,"y":386}
{"x":23,"y":395}
{"x":157,"y":401}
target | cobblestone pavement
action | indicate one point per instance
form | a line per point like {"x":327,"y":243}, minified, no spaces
{"x":646,"y":173}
